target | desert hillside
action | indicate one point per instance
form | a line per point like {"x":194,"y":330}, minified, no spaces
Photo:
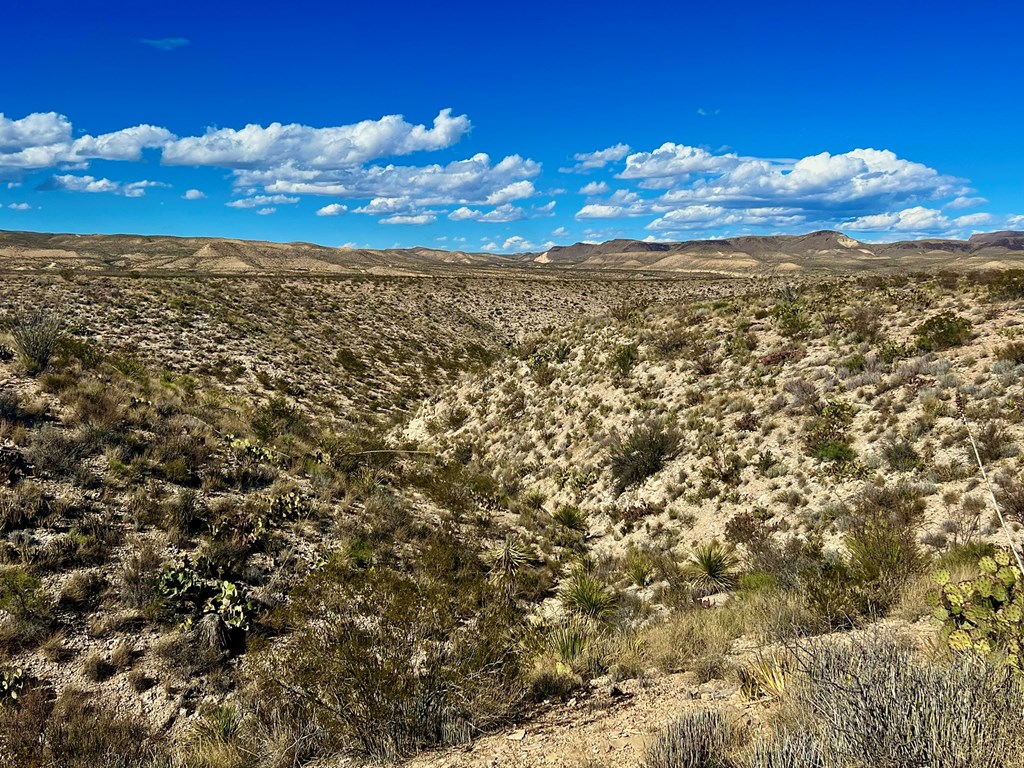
{"x":822,"y":252}
{"x":462,"y":520}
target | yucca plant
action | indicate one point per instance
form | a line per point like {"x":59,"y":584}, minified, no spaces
{"x":571,"y":517}
{"x":585,"y":596}
{"x":639,"y":568}
{"x":712,"y":567}
{"x":506,"y":561}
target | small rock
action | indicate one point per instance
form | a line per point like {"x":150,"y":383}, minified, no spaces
{"x":517,"y":735}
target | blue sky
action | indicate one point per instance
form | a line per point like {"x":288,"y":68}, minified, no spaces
{"x":510,"y":127}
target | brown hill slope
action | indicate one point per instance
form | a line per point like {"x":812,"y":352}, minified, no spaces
{"x":815,"y":252}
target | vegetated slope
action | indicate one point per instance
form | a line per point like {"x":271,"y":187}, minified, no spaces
{"x":218,"y":567}
{"x":343,"y":348}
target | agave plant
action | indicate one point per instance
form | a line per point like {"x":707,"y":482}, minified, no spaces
{"x":712,"y":567}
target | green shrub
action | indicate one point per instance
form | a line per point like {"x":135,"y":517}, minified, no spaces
{"x":944,"y":331}
{"x":642,"y":453}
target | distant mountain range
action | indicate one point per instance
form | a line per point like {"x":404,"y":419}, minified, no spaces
{"x":816,"y":252}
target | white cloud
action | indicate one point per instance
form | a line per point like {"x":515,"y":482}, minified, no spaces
{"x":262,"y":200}
{"x":594,"y":188}
{"x":500,"y":215}
{"x":193,"y":194}
{"x":702,"y":217}
{"x":72,"y":183}
{"x":1016,"y":221}
{"x":707,"y":112}
{"x":418,"y":219}
{"x":266,"y":211}
{"x":919,"y":220}
{"x":304,"y":147}
{"x":965,"y":202}
{"x":560,"y":232}
{"x":517,"y":190}
{"x":334,"y":209}
{"x":517,"y":244}
{"x":676,"y":161}
{"x":464,"y":214}
{"x":973,"y":220}
{"x":44,"y":140}
{"x":588,"y":161}
{"x":19,"y":206}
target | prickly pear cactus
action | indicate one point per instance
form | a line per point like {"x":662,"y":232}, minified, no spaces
{"x":985,"y":615}
{"x":12,"y":681}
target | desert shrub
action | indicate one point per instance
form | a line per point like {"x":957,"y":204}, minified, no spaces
{"x":1013,"y":352}
{"x":875,"y":703}
{"x":387,"y":663}
{"x":57,"y":451}
{"x":694,"y":740}
{"x":624,"y":359}
{"x":792,"y":318}
{"x":642,"y":453}
{"x":37,"y":334}
{"x":23,"y":506}
{"x":84,"y":733}
{"x":900,"y":455}
{"x":825,"y":435}
{"x":993,"y":442}
{"x":943,"y":331}
{"x":22,"y":594}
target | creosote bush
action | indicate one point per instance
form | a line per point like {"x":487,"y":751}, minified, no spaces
{"x":642,"y":453}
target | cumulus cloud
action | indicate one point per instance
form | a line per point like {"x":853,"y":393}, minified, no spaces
{"x":589,"y":161}
{"x":334,"y":209}
{"x":702,"y":217}
{"x":19,"y":206}
{"x":500,"y":215}
{"x":918,"y":220}
{"x":516,"y":244}
{"x":165,"y":43}
{"x":44,"y":140}
{"x":594,"y":188}
{"x":517,"y":190}
{"x":1015,"y":222}
{"x":966,"y":202}
{"x":262,"y":200}
{"x":72,"y":183}
{"x":193,"y":194}
{"x":676,"y":161}
{"x":418,"y":219}
{"x":266,"y":211}
{"x":305,"y":147}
